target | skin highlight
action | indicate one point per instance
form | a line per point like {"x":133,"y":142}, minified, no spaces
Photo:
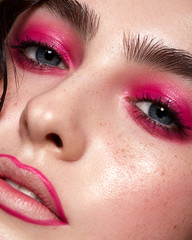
{"x":115,"y":179}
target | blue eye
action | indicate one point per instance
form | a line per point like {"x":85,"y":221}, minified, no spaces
{"x":47,"y":57}
{"x":157,"y":112}
{"x":44,"y":56}
{"x":160,"y":114}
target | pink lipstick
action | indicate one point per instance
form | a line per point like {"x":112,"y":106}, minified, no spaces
{"x":47,"y":211}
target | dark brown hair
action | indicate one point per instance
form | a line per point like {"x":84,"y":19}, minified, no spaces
{"x":9,"y":11}
{"x":80,"y":16}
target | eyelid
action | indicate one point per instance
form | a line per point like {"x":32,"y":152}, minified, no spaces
{"x":52,"y":31}
{"x":35,"y":39}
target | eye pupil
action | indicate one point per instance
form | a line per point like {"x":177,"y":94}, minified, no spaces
{"x":160,"y":114}
{"x":47,"y":56}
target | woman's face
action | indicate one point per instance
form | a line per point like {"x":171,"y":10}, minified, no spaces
{"x":103,"y":109}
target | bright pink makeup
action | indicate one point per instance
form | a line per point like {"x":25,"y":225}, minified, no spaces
{"x":45,"y":210}
{"x":52,"y":35}
{"x":160,"y":97}
{"x":37,"y":40}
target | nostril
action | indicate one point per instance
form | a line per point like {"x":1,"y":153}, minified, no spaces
{"x":55,"y":139}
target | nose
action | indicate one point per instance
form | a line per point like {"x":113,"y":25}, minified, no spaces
{"x":50,"y":122}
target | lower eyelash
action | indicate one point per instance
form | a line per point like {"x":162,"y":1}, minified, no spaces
{"x":157,"y":129}
{"x":29,"y":63}
{"x":155,"y":126}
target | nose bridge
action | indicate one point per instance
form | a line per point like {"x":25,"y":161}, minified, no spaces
{"x":64,"y":116}
{"x":51,"y":121}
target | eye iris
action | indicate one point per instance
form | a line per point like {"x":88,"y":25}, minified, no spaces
{"x":160,"y":114}
{"x":47,"y":56}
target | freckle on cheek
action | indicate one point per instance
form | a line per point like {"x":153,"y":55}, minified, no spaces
{"x":175,"y":226}
{"x":163,"y":172}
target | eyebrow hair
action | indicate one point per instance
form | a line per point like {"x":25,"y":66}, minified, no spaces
{"x":85,"y":20}
{"x":150,"y":51}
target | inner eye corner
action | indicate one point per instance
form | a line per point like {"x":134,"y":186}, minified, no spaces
{"x":55,"y":138}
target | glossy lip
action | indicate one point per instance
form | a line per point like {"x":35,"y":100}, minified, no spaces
{"x":22,"y":206}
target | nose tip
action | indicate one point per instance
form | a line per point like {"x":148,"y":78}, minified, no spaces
{"x":54,"y":129}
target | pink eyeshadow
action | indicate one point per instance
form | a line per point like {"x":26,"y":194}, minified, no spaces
{"x":141,"y":87}
{"x":176,"y":102}
{"x":64,"y":42}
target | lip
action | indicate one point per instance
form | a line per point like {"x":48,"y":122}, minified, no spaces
{"x":22,"y":206}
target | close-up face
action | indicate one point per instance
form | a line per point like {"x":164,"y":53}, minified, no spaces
{"x":96,"y":127}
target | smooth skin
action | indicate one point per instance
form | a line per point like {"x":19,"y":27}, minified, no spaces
{"x":115,"y":179}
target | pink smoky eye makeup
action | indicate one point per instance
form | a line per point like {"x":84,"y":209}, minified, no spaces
{"x":159,"y":114}
{"x":46,"y":52}
{"x":39,"y":55}
{"x":36,"y":52}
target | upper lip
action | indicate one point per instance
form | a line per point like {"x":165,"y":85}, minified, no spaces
{"x":34,"y":180}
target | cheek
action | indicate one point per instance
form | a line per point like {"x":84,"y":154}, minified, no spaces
{"x":147,"y":196}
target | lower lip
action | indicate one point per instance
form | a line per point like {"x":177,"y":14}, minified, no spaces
{"x":24,"y":207}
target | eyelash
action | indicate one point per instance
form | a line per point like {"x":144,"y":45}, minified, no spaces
{"x":30,"y":63}
{"x":181,"y":126}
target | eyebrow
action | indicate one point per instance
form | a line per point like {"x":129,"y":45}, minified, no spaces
{"x":152,"y":52}
{"x":80,"y":15}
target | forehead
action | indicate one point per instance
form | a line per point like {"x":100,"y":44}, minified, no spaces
{"x":168,"y":20}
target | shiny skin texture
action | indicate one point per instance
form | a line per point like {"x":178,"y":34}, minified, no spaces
{"x":115,"y":179}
